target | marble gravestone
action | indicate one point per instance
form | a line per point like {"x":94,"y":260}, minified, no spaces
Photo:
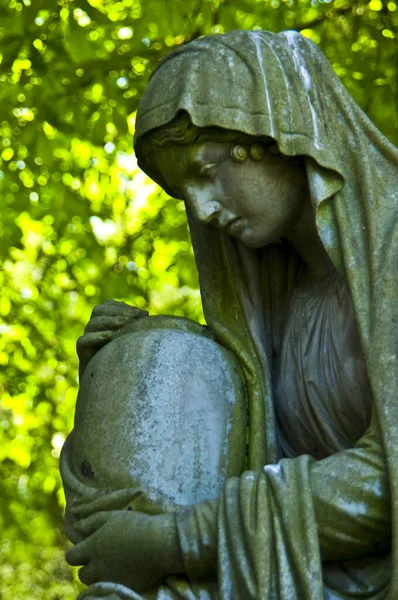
{"x":161,"y":407}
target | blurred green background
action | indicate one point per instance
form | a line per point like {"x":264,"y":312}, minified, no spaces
{"x":80,"y":224}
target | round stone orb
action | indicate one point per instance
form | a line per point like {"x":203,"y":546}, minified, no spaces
{"x":161,"y":407}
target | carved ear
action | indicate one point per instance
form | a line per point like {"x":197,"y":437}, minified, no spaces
{"x":239,"y":153}
{"x":257,"y":152}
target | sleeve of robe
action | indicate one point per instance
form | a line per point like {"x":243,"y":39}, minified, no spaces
{"x":270,"y":531}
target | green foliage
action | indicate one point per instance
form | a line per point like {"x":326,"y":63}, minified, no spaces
{"x":80,"y":224}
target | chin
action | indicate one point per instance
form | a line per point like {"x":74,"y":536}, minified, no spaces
{"x":255,"y":244}
{"x":251,"y":240}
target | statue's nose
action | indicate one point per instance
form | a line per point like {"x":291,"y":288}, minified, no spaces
{"x":203,"y":206}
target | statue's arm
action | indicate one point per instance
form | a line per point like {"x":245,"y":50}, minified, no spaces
{"x":350,"y":497}
{"x":197,"y":536}
{"x":344,"y":498}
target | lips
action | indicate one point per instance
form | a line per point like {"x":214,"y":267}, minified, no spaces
{"x":235,"y":226}
{"x":231,"y":226}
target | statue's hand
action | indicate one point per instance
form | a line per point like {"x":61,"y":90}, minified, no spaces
{"x":127,"y":547}
{"x":106,"y":319}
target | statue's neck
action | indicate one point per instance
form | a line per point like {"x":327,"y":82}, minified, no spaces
{"x":305,"y":239}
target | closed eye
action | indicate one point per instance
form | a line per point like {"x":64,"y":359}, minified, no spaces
{"x":208,"y":170}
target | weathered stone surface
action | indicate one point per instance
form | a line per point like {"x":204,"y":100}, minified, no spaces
{"x":161,"y":408}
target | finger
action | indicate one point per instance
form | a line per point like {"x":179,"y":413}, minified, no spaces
{"x":112,"y":307}
{"x":109,"y":306}
{"x":151,"y":503}
{"x":79,"y":554}
{"x":107,"y":322}
{"x":93,"y":340}
{"x":114,"y":500}
{"x":87,"y":574}
{"x":87,"y":345}
{"x":108,"y":590}
{"x":109,"y":595}
{"x":88,"y":526}
{"x":97,"y":591}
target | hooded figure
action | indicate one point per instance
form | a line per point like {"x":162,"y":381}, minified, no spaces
{"x":303,"y":522}
{"x":277,"y":524}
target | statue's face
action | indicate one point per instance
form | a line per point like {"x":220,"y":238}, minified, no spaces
{"x":256,"y":201}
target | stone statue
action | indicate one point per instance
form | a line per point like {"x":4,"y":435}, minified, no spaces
{"x":292,"y":201}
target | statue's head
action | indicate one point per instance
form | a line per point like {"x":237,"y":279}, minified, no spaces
{"x":238,"y":183}
{"x":227,"y":122}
